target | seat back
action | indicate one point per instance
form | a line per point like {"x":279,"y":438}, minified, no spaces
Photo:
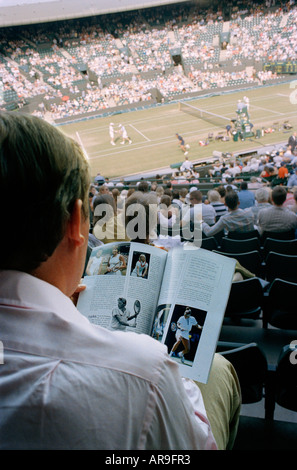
{"x":250,"y":365}
{"x":280,"y":305}
{"x":285,"y":247}
{"x":278,"y":265}
{"x":209,"y":243}
{"x":229,"y":245}
{"x":288,"y":235}
{"x":286,"y":378}
{"x":218,"y":236}
{"x":243,"y":235}
{"x":245,"y":299}
{"x":250,"y":260}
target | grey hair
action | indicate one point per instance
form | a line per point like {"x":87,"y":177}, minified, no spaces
{"x":262,"y":195}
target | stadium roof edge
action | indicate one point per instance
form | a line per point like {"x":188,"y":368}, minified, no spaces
{"x":26,"y":12}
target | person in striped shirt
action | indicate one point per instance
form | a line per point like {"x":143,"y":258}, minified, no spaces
{"x":236,"y":220}
{"x":213,"y":198}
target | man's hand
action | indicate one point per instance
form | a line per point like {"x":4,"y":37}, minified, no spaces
{"x":76,"y":293}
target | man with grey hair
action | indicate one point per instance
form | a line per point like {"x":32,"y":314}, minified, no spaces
{"x":213,"y":198}
{"x":254,"y":184}
{"x":262,"y":197}
{"x":236,"y":219}
{"x":277,"y":218}
{"x":67,"y":383}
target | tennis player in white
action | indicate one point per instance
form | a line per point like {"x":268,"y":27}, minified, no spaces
{"x":111,"y":133}
{"x":124,"y":133}
{"x":184,"y":326}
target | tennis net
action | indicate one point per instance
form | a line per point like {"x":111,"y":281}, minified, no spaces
{"x":213,"y":118}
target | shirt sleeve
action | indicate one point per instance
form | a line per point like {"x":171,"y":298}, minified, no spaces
{"x":216,"y":228}
{"x":194,"y":321}
{"x":179,"y":420}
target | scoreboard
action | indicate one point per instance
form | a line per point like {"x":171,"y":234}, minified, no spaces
{"x":281,"y":67}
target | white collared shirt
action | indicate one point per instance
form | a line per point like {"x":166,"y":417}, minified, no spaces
{"x":68,"y":384}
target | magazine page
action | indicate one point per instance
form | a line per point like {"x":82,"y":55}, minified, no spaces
{"x":123,"y":283}
{"x":192,"y":302}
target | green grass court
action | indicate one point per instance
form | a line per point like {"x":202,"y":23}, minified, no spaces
{"x":153,"y":131}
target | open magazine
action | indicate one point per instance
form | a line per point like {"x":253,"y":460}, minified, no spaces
{"x":177,"y":297}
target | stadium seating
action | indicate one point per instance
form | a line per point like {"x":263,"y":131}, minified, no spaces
{"x":251,"y":367}
{"x":283,"y":381}
{"x":209,"y":243}
{"x":251,"y":260}
{"x":229,"y":245}
{"x":286,"y":247}
{"x":244,"y":235}
{"x":135,"y":54}
{"x":286,"y":235}
{"x":279,"y":306}
{"x":245,"y":300}
{"x":281,"y":266}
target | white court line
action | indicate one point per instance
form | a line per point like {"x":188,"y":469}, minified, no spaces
{"x":265,"y":109}
{"x":149,"y":140}
{"x":96,"y":129}
{"x":162,"y":141}
{"x":91,"y":130}
{"x":81,"y":144}
{"x":142,"y":145}
{"x":116,"y":154}
{"x":209,"y":108}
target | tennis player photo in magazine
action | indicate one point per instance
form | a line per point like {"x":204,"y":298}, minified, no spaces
{"x":178,"y":297}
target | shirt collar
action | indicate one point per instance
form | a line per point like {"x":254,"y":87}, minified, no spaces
{"x":38,"y":318}
{"x":26,"y":291}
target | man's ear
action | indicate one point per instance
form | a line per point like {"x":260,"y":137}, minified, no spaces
{"x":75,"y":224}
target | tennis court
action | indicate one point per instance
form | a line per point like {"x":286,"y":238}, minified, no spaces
{"x":154,"y":143}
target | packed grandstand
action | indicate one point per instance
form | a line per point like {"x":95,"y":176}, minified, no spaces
{"x":82,"y":68}
{"x":93,"y":66}
{"x":86,"y":66}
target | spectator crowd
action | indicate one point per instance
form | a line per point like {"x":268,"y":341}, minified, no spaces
{"x":132,"y":54}
{"x":248,"y":186}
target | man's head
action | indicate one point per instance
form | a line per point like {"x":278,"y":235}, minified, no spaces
{"x":231,"y":200}
{"x":278,"y":195}
{"x":122,"y":303}
{"x":243,"y":185}
{"x":213,"y":196}
{"x":262,"y":195}
{"x":195,"y":197}
{"x":143,"y":187}
{"x":103,"y":189}
{"x":183,"y":193}
{"x":165,"y":200}
{"x":104,"y":208}
{"x":51,"y":174}
{"x":140,"y":216}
